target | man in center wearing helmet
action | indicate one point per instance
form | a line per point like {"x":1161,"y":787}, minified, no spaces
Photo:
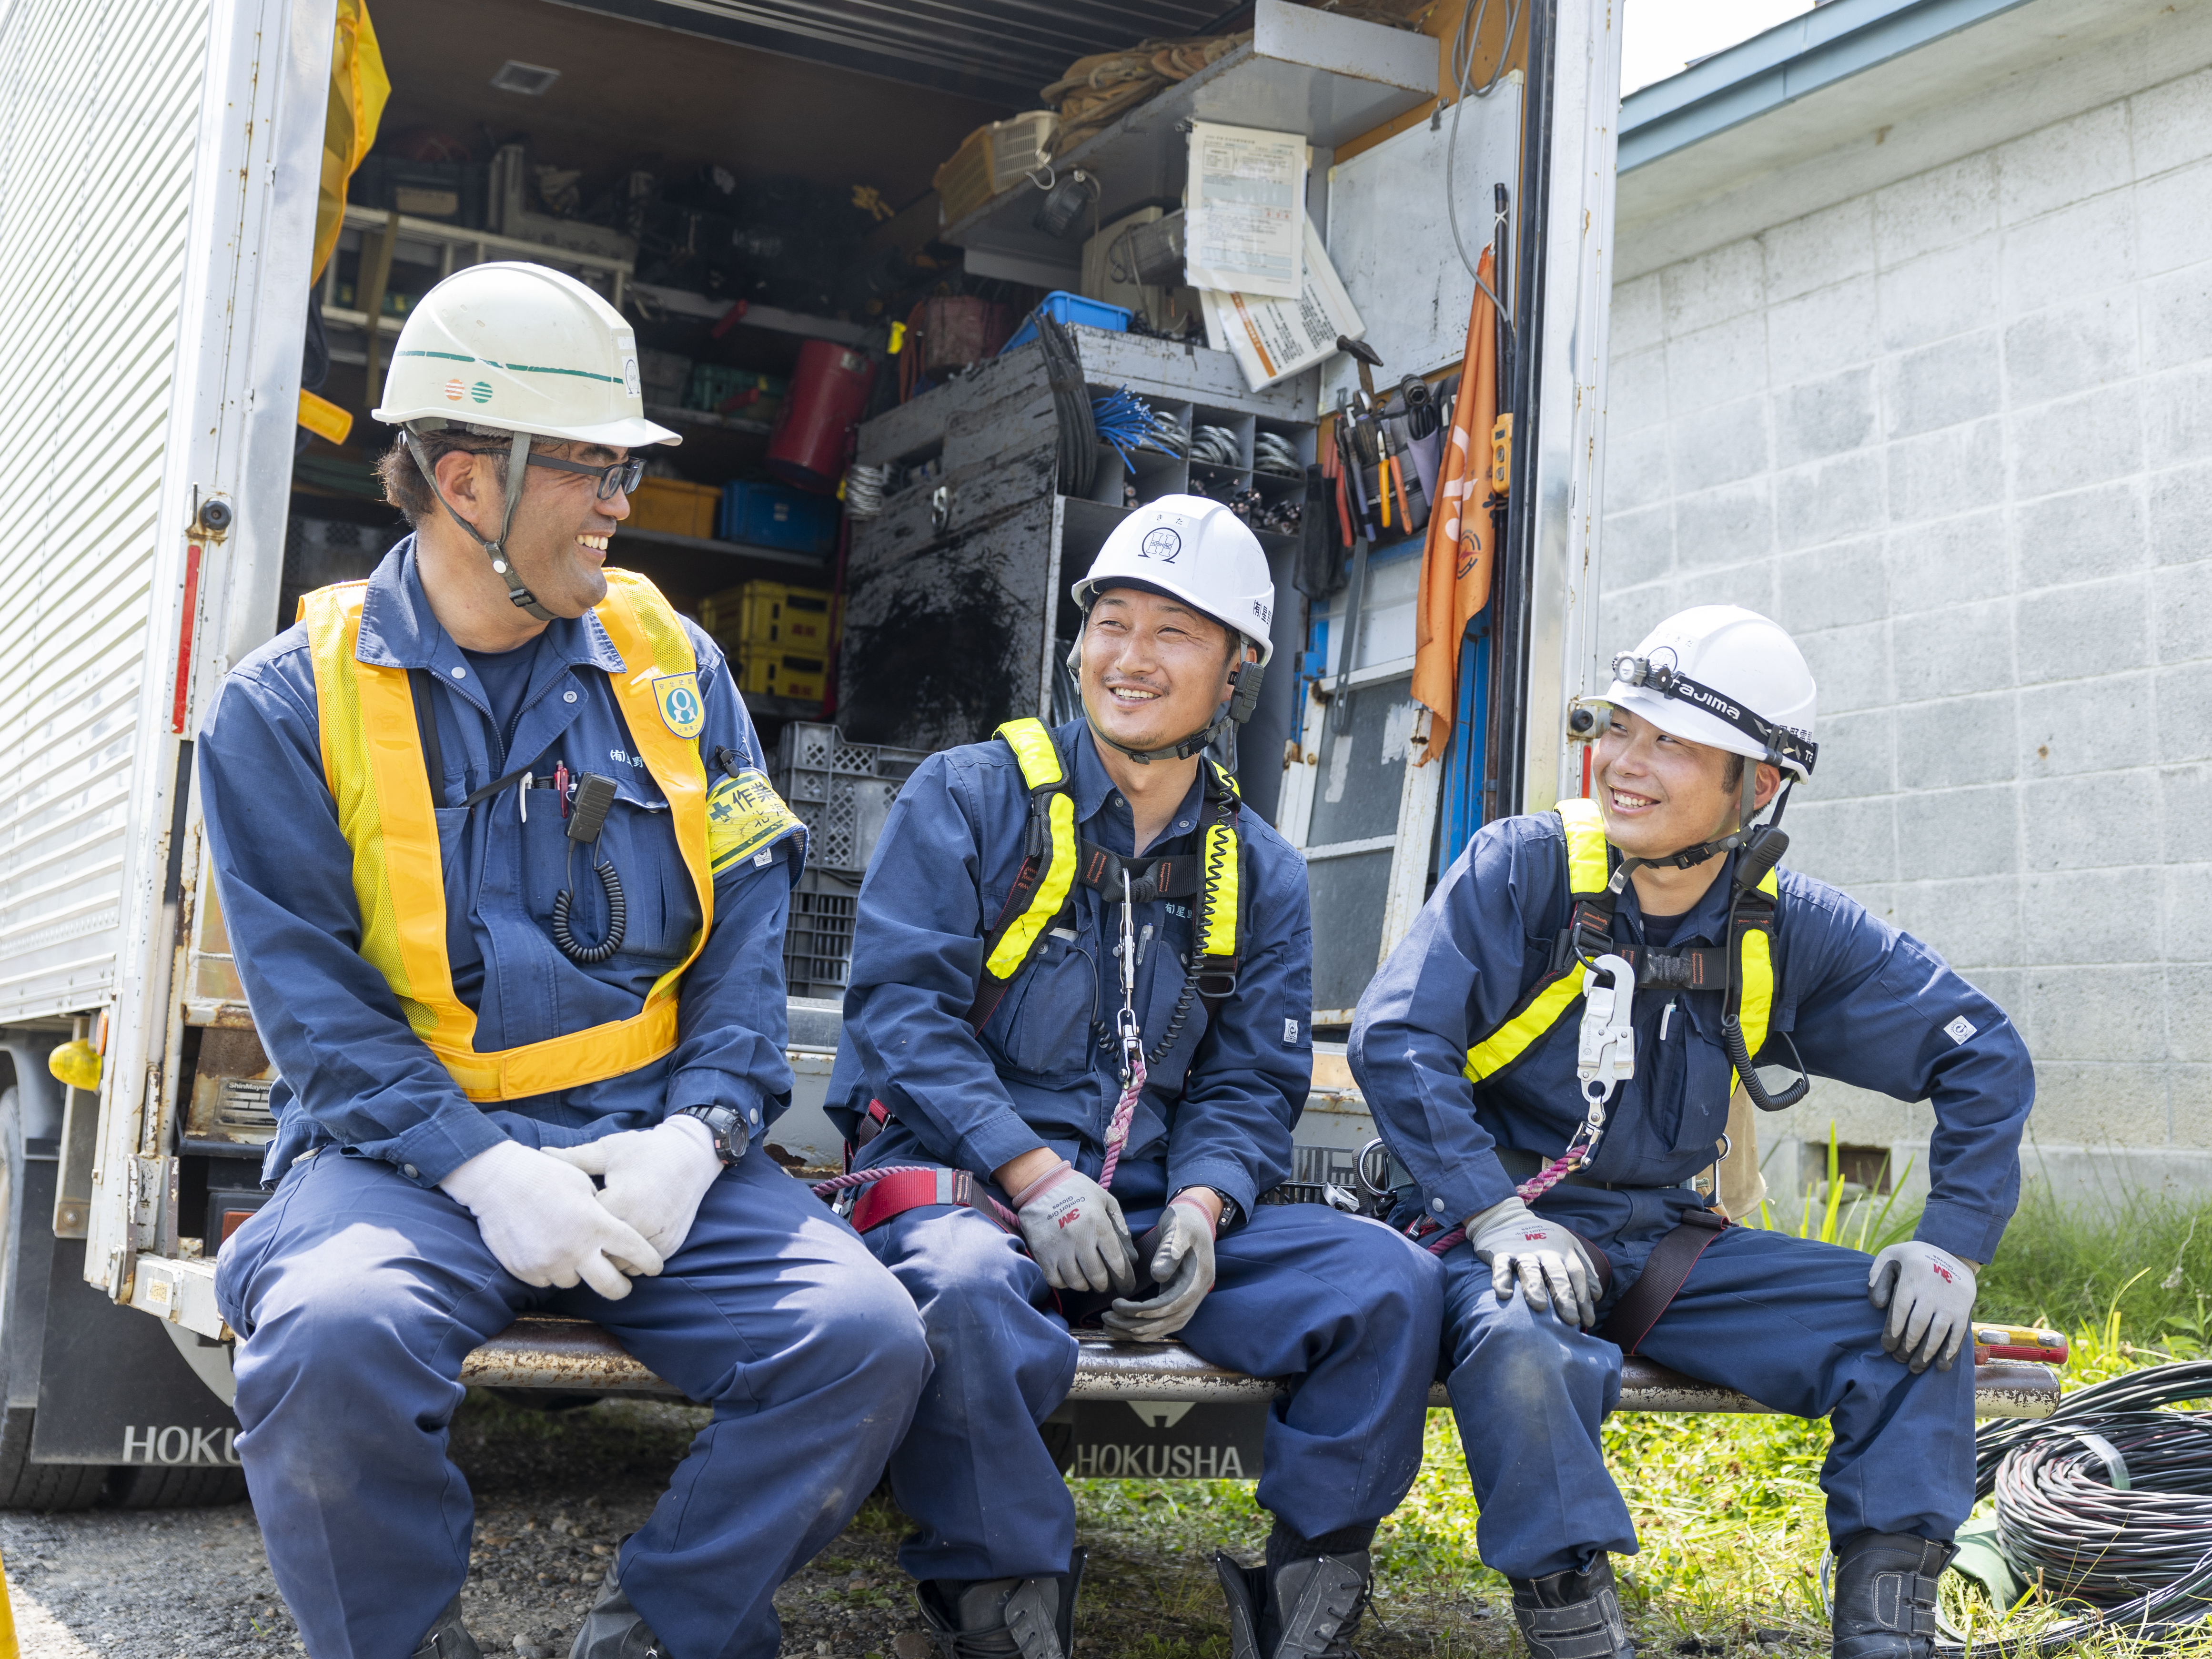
{"x":1078,"y":1018}
{"x":1551,"y":1052}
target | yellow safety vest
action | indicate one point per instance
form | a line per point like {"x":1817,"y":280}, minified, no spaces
{"x":1749,"y":990}
{"x":1050,"y":868}
{"x":372,"y":761}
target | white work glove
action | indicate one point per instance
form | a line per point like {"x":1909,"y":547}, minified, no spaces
{"x":654,"y":1177}
{"x":1548,"y":1260}
{"x":1929,"y":1294}
{"x":1075,"y":1232}
{"x":544,"y":1222}
{"x":1181,"y":1265}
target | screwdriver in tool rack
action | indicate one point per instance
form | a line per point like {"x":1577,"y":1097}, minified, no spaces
{"x":2018,"y":1342}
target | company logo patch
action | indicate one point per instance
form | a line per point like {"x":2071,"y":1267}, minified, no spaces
{"x":630,"y":376}
{"x":453,"y":390}
{"x":681,"y":706}
{"x":1163,"y":543}
{"x":1959,"y":1029}
{"x":481,"y":392}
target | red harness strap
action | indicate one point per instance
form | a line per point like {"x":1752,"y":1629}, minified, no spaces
{"x":892,"y":1191}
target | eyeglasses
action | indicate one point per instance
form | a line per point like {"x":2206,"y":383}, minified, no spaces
{"x":621,"y":478}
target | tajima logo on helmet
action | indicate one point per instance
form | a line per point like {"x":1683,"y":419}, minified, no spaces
{"x":1161,"y":544}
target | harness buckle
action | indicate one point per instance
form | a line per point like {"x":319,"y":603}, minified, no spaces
{"x":1605,"y":1056}
{"x":1217,"y":983}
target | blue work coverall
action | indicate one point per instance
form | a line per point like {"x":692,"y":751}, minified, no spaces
{"x":1784,"y":1319}
{"x":1336,"y":1301}
{"x":361,"y":1287}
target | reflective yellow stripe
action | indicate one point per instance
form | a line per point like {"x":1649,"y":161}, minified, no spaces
{"x":1040,"y":761}
{"x":1589,"y":870}
{"x":1033,"y":747}
{"x":1221,"y":894}
{"x":372,"y":761}
{"x":1511,"y":1040}
{"x":1754,"y":975}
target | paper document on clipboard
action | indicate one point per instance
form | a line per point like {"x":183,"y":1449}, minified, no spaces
{"x":1272,"y":339}
{"x":1245,"y":201}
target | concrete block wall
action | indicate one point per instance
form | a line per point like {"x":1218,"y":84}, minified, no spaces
{"x":1956,"y":435}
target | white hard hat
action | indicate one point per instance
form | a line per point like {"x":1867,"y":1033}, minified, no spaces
{"x":1201,"y":552}
{"x":522,"y":347}
{"x":1725,"y":676}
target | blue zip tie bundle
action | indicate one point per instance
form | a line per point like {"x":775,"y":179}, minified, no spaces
{"x":1129,"y":423}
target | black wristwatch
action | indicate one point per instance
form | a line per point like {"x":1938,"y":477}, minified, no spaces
{"x":727,"y":1125}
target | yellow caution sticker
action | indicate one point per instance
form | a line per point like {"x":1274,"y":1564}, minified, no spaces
{"x":744,"y":817}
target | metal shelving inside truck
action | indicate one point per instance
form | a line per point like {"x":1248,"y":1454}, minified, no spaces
{"x":159,"y":172}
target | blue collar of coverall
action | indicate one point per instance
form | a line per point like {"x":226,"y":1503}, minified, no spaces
{"x":1093,"y":786}
{"x":398,"y":629}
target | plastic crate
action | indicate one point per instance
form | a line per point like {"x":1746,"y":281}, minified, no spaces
{"x":1065,"y":308}
{"x":764,"y":671}
{"x":765,"y":613}
{"x":842,"y":791}
{"x":818,"y":940}
{"x":746,"y":392}
{"x":675,"y":507}
{"x":772,"y":515}
{"x":993,"y":158}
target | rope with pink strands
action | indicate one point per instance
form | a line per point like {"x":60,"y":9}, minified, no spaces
{"x":1125,"y":1109}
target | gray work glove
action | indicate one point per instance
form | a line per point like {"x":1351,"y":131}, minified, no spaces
{"x":1547,"y":1260}
{"x":1075,"y":1232}
{"x":1182,"y":1246}
{"x":1929,"y":1294}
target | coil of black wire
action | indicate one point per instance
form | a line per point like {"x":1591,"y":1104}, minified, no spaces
{"x":2129,"y":1533}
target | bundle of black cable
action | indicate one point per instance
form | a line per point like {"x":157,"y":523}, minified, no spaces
{"x":2111,"y":1508}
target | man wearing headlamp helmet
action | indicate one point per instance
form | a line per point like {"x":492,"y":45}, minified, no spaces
{"x":1552,"y":1055}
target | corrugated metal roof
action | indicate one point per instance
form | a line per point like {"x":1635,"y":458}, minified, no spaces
{"x":998,"y":49}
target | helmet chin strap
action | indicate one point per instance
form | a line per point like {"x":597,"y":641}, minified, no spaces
{"x":1746,"y":810}
{"x":518,"y":461}
{"x":1244,"y":697}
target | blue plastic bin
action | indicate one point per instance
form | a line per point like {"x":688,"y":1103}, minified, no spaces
{"x":1065,"y":308}
{"x":771,"y":515}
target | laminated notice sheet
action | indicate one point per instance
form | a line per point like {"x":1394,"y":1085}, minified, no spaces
{"x":1246,"y":200}
{"x":1272,"y":339}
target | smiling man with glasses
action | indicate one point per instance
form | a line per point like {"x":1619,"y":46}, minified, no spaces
{"x":507,"y":889}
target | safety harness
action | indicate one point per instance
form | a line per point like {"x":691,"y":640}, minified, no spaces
{"x":1587,"y":965}
{"x":1053,"y":860}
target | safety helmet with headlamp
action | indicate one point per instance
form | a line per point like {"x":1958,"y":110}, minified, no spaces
{"x":516,"y":350}
{"x":1194,"y":550}
{"x":1728,"y":679}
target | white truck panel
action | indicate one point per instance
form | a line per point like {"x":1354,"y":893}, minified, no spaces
{"x":97,"y":145}
{"x":255,"y":85}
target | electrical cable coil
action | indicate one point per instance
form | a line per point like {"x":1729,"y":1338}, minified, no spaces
{"x":2130,"y":1533}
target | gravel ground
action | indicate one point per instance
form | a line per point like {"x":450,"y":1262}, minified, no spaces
{"x":555,"y":1494}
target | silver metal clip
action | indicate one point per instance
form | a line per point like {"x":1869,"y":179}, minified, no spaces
{"x":1606,"y":1056}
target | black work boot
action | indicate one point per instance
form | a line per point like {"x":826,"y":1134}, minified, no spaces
{"x":1885,"y":1602}
{"x":1573,"y":1615}
{"x":1002,"y":1618}
{"x":449,"y":1639}
{"x":1306,"y":1608}
{"x":613,"y":1629}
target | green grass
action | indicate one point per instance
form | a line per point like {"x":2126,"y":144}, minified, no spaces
{"x":1728,"y":1508}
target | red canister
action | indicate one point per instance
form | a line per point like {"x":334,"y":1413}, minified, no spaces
{"x":829,"y":391}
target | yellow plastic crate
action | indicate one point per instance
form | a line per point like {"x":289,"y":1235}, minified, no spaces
{"x":765,"y":614}
{"x":782,"y":674}
{"x":673,"y":506}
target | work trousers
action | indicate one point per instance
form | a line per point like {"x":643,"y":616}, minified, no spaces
{"x":357,"y":1294}
{"x":1785,"y":1321}
{"x":1344,"y":1308}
